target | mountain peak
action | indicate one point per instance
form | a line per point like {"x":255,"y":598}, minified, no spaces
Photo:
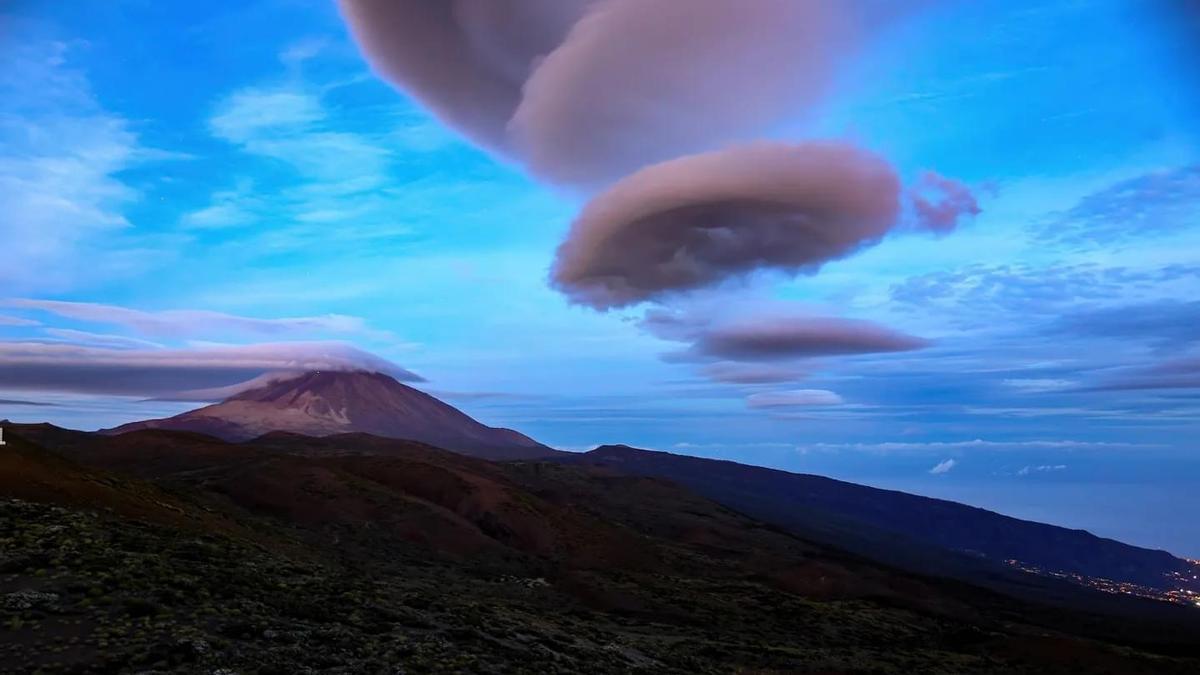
{"x":328,"y":402}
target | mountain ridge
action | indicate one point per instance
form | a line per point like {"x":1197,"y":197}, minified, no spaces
{"x":840,"y":512}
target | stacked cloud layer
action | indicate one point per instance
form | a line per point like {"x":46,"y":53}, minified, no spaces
{"x":652,"y":103}
{"x":652,"y":108}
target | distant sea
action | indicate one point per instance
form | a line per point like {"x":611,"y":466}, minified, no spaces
{"x":1165,"y":516}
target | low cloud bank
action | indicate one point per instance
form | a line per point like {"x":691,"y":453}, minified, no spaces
{"x":165,"y":373}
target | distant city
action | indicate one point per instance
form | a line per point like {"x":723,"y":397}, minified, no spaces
{"x":1187,"y":591}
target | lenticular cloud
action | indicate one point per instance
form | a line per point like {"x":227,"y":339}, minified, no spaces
{"x":697,"y":220}
{"x":637,"y":82}
{"x":652,"y":103}
{"x":796,"y":337}
{"x":585,"y":91}
{"x":467,"y":60}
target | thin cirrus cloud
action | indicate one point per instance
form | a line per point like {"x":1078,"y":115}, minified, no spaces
{"x":184,"y":323}
{"x":63,"y":159}
{"x":695,"y":221}
{"x":164,"y":373}
{"x":90,"y":339}
{"x":17,"y":321}
{"x":1041,"y":468}
{"x":730,"y":372}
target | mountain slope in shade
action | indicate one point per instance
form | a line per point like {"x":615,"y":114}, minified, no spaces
{"x":352,"y":553}
{"x":323,"y":403}
{"x":897,"y":527}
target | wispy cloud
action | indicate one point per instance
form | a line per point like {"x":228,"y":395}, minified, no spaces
{"x":730,"y":372}
{"x":195,"y":323}
{"x":87,"y":338}
{"x":17,"y":321}
{"x":1158,"y":202}
{"x":943,"y":467}
{"x":238,"y":206}
{"x":1039,"y":384}
{"x":316,"y":172}
{"x":60,"y":167}
{"x":1041,"y":468}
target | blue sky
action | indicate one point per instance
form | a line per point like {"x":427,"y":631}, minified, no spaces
{"x":239,"y":167}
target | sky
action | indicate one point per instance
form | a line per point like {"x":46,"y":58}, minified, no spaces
{"x":992,"y":296}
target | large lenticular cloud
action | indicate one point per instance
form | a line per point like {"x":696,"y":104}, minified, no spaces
{"x":641,"y":81}
{"x":465,"y":59}
{"x":695,"y":221}
{"x":586,"y":91}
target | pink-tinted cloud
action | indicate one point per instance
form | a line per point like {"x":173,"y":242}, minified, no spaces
{"x":75,"y":368}
{"x":587,"y":91}
{"x":699,"y":220}
{"x":939,"y":203}
{"x":648,"y":97}
{"x":764,"y":344}
{"x":17,"y":321}
{"x":797,"y":337}
{"x":465,"y":59}
{"x":638,"y":82}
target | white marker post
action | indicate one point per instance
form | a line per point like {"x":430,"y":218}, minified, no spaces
{"x":2,"y":436}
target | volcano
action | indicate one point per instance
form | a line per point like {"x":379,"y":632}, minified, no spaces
{"x":324,"y":403}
